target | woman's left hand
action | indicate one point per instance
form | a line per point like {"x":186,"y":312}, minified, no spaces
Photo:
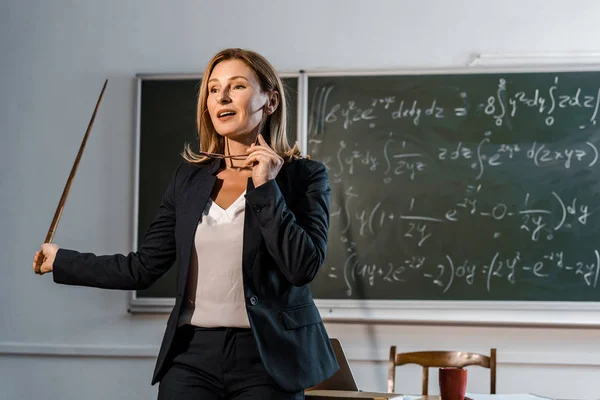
{"x":264,"y":161}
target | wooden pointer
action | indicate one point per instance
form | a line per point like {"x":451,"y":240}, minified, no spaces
{"x":63,"y":198}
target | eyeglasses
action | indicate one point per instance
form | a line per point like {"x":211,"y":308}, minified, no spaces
{"x":223,"y":156}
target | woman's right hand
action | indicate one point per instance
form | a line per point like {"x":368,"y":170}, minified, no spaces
{"x":48,"y":254}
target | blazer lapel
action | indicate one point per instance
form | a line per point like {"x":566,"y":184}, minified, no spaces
{"x":201,"y":185}
{"x":252,"y":236}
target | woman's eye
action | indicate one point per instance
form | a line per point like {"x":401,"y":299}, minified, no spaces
{"x":213,"y":90}
{"x":239,"y":86}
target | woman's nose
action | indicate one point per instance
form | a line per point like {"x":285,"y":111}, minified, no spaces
{"x":224,"y":97}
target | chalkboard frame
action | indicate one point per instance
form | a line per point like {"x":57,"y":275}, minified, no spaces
{"x":502,"y":313}
{"x":450,"y":312}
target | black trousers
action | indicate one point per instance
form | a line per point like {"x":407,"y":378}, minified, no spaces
{"x":218,"y":364}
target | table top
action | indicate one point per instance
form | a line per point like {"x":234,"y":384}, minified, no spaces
{"x":350,"y":395}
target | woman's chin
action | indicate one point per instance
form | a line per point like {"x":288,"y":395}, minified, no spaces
{"x":233,"y":134}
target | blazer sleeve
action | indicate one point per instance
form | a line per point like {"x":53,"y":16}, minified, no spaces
{"x":296,"y":240}
{"x":137,"y":270}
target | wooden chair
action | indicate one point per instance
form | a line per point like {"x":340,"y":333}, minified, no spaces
{"x":429,"y":359}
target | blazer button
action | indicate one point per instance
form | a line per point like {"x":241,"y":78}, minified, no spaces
{"x":253,"y":300}
{"x":257,"y":209}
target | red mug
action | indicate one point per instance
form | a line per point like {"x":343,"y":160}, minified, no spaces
{"x":453,"y":383}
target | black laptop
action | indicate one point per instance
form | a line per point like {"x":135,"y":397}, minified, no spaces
{"x":343,"y":378}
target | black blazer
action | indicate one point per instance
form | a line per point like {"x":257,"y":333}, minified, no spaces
{"x":285,"y":240}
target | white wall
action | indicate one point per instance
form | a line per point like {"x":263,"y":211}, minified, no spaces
{"x":59,"y":342}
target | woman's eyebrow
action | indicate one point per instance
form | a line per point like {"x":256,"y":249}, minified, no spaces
{"x":231,"y":79}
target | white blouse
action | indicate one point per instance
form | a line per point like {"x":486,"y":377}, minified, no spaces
{"x":215,"y":291}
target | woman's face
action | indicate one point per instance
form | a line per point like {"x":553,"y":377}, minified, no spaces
{"x":236,"y":103}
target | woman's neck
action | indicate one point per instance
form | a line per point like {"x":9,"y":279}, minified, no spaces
{"x":236,"y":148}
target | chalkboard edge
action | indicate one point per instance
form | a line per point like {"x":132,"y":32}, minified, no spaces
{"x":459,"y":70}
{"x":443,"y":312}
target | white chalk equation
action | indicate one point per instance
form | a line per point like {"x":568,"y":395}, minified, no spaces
{"x":485,"y":155}
{"x":402,"y":159}
{"x":501,"y":106}
{"x":474,"y":182}
{"x":445,"y":273}
{"x":545,"y":102}
{"x":562,"y":213}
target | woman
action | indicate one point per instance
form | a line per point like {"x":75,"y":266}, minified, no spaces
{"x":246,"y":222}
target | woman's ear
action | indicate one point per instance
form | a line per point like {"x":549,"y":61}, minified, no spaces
{"x":273,"y":102}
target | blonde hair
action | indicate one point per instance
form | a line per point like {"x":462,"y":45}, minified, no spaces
{"x":275,"y":127}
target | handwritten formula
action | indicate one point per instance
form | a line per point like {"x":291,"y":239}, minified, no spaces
{"x":477,"y":187}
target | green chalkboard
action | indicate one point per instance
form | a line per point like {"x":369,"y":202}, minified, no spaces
{"x":167,"y":120}
{"x":464,"y":186}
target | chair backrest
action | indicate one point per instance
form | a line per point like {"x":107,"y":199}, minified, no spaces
{"x":438,"y":359}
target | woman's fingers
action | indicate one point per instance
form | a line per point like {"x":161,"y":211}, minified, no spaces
{"x":38,"y":265}
{"x":257,"y":157}
{"x":265,"y":162}
{"x":35,"y":258}
{"x":262,"y":141}
{"x":46,"y":267}
{"x":261,"y":154}
{"x":43,"y":260}
{"x":267,"y":151}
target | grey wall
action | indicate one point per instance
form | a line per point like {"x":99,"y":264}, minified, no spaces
{"x":59,"y":342}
